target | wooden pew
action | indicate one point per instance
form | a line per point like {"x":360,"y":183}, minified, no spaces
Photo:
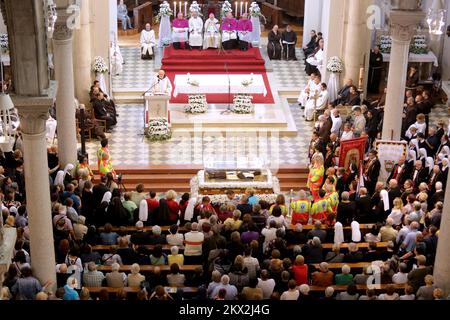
{"x":151,"y":268}
{"x":309,"y":227}
{"x":360,"y":287}
{"x":273,"y":14}
{"x":103,"y":247}
{"x":134,"y":290}
{"x":143,"y":14}
{"x":361,"y":245}
{"x":339,"y":265}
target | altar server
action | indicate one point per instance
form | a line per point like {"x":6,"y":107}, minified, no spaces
{"x":180,"y":27}
{"x":244,"y":32}
{"x":312,"y":85}
{"x":212,"y":32}
{"x":161,"y":84}
{"x":195,"y":30}
{"x":148,"y":41}
{"x":229,"y":32}
{"x":318,"y":101}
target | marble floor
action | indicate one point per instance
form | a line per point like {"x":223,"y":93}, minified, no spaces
{"x":129,"y":147}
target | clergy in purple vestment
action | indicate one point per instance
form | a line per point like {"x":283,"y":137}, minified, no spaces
{"x":245,"y":28}
{"x":229,"y":32}
{"x":180,"y":27}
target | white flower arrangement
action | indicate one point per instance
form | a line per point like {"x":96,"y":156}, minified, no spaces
{"x":255,"y":11}
{"x":196,"y":104}
{"x":226,"y":7}
{"x":419,"y":45}
{"x":99,"y":65}
{"x":221,"y":199}
{"x":335,"y":65}
{"x":194,"y":7}
{"x":4,"y":43}
{"x":242,"y":104}
{"x":164,"y":11}
{"x":158,"y":130}
{"x":385,"y":44}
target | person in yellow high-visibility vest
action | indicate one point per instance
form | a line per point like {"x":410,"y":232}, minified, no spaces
{"x":321,"y":208}
{"x":315,"y":177}
{"x":104,"y":159}
{"x":333,"y":199}
{"x":301,"y":209}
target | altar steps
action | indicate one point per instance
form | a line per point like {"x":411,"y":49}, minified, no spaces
{"x":163,"y":178}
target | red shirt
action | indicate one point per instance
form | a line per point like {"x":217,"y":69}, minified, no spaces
{"x":152,"y":204}
{"x":174,"y":209}
{"x":300,"y":274}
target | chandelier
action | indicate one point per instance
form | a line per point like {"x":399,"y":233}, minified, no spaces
{"x":436,"y":21}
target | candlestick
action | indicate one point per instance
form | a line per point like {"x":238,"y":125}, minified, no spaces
{"x":361,"y":77}
{"x":185,"y":8}
{"x":236,"y":10}
{"x":240,"y":11}
{"x":174,"y":8}
{"x":180,"y":6}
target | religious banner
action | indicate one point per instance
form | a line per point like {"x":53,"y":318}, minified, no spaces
{"x":352,"y":151}
{"x":389,"y":153}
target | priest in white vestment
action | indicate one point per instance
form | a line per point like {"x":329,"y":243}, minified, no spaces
{"x":148,"y":41}
{"x":195,"y":31}
{"x":212,"y":32}
{"x":116,"y":58}
{"x":318,"y":100}
{"x":161,"y":84}
{"x":304,"y":94}
{"x":315,"y":61}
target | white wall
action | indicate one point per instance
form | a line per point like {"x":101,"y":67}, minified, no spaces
{"x":446,"y":54}
{"x":113,"y":18}
{"x":312,"y":18}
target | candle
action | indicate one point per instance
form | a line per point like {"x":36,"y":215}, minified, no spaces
{"x":174,"y":8}
{"x":246,"y":6}
{"x":168,"y":116}
{"x":361,"y":77}
{"x":235,"y":11}
{"x":180,"y":6}
{"x":185,"y":8}
{"x":240,"y":11}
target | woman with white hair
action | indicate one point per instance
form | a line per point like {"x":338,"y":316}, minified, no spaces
{"x":344,"y":278}
{"x":175,"y":257}
{"x":69,"y":290}
{"x":329,"y":292}
{"x":115,"y":278}
{"x":304,"y":293}
{"x":135,"y":278}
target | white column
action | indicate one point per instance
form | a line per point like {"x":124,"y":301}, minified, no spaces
{"x":403,"y":26}
{"x":354,"y":50}
{"x":82,"y":56}
{"x":65,"y":107}
{"x":333,"y":29}
{"x":441,"y":271}
{"x":33,"y":113}
{"x":312,"y":18}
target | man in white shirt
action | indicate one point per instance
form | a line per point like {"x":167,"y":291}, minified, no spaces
{"x":148,"y":41}
{"x":230,"y":289}
{"x":337,"y":122}
{"x":193,"y":241}
{"x":195,"y":31}
{"x":310,"y":86}
{"x":318,"y":101}
{"x":266,"y":284}
{"x":347,"y":134}
{"x":401,"y":276}
{"x":161,"y":84}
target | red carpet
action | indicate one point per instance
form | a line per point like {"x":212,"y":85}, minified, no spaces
{"x":213,"y":62}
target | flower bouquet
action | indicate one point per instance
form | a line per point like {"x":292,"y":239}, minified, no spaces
{"x":335,"y":65}
{"x":99,"y":65}
{"x":226,"y":7}
{"x":196,"y":104}
{"x":164,"y":11}
{"x":255,"y":11}
{"x":158,"y":130}
{"x":194,"y":7}
{"x":385,"y":44}
{"x":4,"y":43}
{"x":242,"y":104}
{"x":419,"y":45}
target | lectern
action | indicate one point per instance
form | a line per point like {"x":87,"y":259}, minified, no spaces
{"x":156,"y":106}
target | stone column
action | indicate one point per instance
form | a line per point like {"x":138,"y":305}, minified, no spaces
{"x":403,"y":26}
{"x":82,"y":56}
{"x":354,"y":50}
{"x":441,"y":271}
{"x":65,"y":107}
{"x":33,"y":113}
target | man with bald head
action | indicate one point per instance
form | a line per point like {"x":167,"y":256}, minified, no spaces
{"x":161,"y":84}
{"x":148,"y":41}
{"x":343,"y":93}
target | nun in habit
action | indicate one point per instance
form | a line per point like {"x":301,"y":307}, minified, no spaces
{"x":356,"y":232}
{"x":338,"y":233}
